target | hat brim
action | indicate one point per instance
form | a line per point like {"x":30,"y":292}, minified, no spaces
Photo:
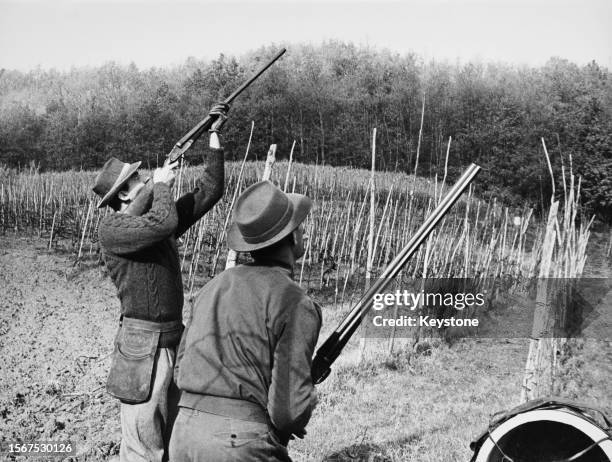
{"x":301,"y":206}
{"x":112,"y":192}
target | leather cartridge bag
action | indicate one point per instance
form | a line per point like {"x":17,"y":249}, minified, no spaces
{"x":131,"y":372}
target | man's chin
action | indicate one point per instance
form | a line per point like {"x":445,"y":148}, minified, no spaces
{"x":142,"y":202}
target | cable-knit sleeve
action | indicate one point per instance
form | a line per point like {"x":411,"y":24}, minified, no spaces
{"x":209,"y":189}
{"x":121,"y":233}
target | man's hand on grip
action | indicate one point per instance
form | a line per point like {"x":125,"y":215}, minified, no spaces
{"x":219,"y":113}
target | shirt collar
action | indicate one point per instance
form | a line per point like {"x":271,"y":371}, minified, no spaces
{"x":276,"y":263}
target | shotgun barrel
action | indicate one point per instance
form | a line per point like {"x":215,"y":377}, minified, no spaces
{"x":186,"y":141}
{"x":332,"y":347}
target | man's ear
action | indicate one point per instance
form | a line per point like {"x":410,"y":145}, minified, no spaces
{"x":123,"y":195}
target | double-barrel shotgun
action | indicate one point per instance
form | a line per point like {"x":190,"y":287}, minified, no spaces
{"x":332,"y":347}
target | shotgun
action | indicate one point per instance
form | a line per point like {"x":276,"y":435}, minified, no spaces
{"x":186,"y":141}
{"x":332,"y":347}
{"x":143,"y":200}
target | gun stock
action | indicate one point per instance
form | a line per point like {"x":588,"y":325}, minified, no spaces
{"x":333,"y":346}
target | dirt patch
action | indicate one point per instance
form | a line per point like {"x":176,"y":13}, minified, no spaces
{"x":56,"y":331}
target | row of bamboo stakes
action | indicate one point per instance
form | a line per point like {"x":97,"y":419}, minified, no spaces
{"x":359,"y":222}
{"x":352,"y":228}
{"x":561,"y":259}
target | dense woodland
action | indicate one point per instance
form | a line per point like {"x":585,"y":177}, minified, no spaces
{"x":328,"y":98}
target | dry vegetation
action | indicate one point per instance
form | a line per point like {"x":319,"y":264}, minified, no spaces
{"x":477,"y":238}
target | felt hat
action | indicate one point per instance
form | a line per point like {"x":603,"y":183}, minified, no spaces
{"x":263,"y":215}
{"x":111,"y":179}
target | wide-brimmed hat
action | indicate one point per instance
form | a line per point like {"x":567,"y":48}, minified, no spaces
{"x":111,"y":179}
{"x":264,"y":215}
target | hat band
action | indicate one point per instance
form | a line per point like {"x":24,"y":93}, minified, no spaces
{"x":273,"y":231}
{"x":122,"y":173}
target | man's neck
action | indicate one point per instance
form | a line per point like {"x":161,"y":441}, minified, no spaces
{"x":280,"y":256}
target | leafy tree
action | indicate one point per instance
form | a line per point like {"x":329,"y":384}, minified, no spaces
{"x":328,"y":98}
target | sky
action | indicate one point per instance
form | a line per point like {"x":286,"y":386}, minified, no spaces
{"x":62,"y":33}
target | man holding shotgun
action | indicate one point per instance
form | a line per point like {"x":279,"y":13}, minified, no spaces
{"x":139,"y":248}
{"x":244,"y":364}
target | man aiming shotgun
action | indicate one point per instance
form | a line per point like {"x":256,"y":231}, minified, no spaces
{"x":140,"y":251}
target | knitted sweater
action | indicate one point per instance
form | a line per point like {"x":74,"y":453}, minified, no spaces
{"x":141,"y":252}
{"x":252,"y":336}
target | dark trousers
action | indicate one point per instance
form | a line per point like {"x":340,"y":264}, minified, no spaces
{"x":201,"y":436}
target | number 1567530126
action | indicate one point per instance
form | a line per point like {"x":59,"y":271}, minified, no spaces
{"x":46,"y":449}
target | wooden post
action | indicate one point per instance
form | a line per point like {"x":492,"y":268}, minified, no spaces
{"x":289,"y":166}
{"x":232,"y":255}
{"x":538,"y":377}
{"x":270,"y":159}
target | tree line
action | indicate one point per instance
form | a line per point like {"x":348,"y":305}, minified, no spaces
{"x":327,"y":98}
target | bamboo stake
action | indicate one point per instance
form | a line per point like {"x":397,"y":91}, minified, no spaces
{"x":552,"y":178}
{"x":308,"y":245}
{"x":84,"y":230}
{"x":344,"y":241}
{"x":538,"y":369}
{"x":270,"y":159}
{"x":446,"y":164}
{"x":416,"y":164}
{"x":384,"y":223}
{"x":370,"y":256}
{"x":185,"y":247}
{"x":232,"y":255}
{"x":289,"y":166}
{"x":52,"y":228}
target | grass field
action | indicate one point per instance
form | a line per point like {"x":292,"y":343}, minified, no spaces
{"x":56,"y":331}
